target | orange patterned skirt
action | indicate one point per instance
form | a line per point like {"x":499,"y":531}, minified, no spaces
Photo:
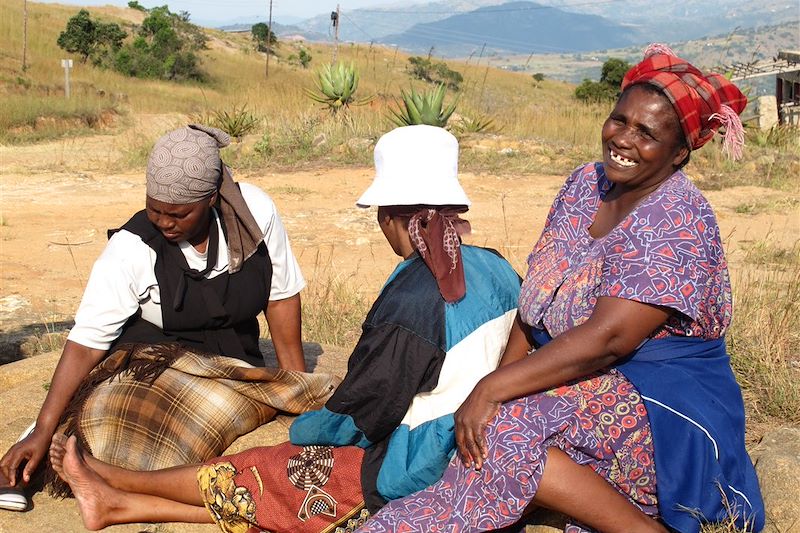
{"x":302,"y":489}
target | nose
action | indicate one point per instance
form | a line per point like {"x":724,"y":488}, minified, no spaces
{"x":624,"y":137}
{"x":163,"y":222}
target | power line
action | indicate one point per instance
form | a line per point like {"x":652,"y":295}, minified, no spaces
{"x":362,"y":30}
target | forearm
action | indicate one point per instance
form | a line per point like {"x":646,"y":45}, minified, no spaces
{"x":614,"y":330}
{"x":519,"y":342}
{"x":75,"y":364}
{"x":285,"y":324}
{"x":576,"y":353}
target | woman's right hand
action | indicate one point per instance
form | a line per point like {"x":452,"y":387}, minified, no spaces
{"x":30,"y":450}
{"x":75,"y":364}
{"x":471,"y":420}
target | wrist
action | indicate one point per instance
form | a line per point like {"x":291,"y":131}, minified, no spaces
{"x":486,"y":389}
{"x":44,"y":427}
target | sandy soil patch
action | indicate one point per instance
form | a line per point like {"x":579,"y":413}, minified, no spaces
{"x":57,"y":202}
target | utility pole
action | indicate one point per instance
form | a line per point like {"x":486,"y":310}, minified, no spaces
{"x":269,"y":40}
{"x":24,"y":35}
{"x":335,"y":21}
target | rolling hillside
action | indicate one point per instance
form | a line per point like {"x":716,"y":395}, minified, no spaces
{"x":516,"y":27}
{"x":676,"y":21}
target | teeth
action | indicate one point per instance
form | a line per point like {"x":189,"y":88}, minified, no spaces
{"x":622,"y":161}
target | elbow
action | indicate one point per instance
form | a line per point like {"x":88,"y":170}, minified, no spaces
{"x":618,"y":347}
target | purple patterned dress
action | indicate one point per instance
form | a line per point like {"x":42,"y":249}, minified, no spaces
{"x":667,"y":252}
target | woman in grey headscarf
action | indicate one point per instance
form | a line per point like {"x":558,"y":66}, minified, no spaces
{"x":194,"y":269}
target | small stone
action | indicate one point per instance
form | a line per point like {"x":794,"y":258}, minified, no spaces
{"x":319,"y":140}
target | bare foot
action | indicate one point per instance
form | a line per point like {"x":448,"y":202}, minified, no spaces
{"x":58,"y":447}
{"x":94,"y":496}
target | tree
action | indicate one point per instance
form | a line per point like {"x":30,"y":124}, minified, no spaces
{"x":607,"y":88}
{"x":614,"y":70}
{"x":136,"y":5}
{"x":164,"y":48}
{"x":261,"y":33}
{"x":90,"y":38}
{"x":78,"y":36}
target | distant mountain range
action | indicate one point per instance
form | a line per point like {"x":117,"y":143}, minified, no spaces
{"x":516,"y":27}
{"x":455,"y":28}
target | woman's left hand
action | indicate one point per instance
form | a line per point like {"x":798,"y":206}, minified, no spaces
{"x":471,"y":420}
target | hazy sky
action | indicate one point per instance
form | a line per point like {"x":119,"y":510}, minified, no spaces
{"x":210,"y":10}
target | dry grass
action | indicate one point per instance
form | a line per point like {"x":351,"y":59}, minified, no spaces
{"x":764,"y":341}
{"x":541,"y":125}
{"x":729,"y":524}
{"x":541,"y":129}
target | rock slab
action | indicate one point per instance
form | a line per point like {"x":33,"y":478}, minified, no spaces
{"x":777,"y":462}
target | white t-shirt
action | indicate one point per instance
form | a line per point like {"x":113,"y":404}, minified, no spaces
{"x":123,"y":278}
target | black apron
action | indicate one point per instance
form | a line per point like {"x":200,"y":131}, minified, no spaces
{"x":218,"y":315}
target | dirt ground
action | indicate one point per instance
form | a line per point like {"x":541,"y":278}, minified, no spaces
{"x":57,"y":200}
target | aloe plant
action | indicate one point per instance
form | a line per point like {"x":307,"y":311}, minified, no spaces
{"x":336,"y":86}
{"x":425,"y":107}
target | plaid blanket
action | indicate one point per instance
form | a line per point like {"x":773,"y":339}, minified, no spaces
{"x":147,"y":407}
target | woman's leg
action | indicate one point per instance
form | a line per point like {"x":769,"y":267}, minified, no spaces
{"x":102,"y":505}
{"x":519,"y":440}
{"x":178,"y":483}
{"x":577,"y":491}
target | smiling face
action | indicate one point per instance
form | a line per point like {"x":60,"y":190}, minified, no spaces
{"x":181,"y":222}
{"x":642,"y":140}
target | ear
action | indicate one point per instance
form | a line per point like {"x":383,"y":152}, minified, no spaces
{"x":212,"y":200}
{"x":680,"y":156}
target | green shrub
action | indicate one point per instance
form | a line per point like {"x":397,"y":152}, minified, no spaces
{"x":476,"y":124}
{"x":336,"y":86}
{"x":236,"y":122}
{"x":303,"y":58}
{"x":439,"y":73}
{"x":423,"y":108}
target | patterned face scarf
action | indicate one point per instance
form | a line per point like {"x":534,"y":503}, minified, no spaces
{"x":185,"y":167}
{"x":435,"y":233}
{"x":703,"y":103}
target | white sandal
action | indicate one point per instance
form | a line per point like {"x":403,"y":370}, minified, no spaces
{"x":11,"y":498}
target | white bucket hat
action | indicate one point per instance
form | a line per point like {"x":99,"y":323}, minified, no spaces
{"x":415,"y":165}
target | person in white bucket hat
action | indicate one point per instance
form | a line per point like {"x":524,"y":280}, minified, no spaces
{"x":415,"y":165}
{"x":440,"y":323}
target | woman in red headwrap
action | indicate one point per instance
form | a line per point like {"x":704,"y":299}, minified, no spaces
{"x":626,"y":301}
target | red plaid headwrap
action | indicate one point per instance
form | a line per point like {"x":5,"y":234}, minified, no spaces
{"x":703,"y":102}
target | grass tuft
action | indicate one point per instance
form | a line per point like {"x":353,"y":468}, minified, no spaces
{"x":333,"y":307}
{"x":764,"y":341}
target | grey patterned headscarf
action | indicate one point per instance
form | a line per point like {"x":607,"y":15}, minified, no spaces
{"x":185,"y":167}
